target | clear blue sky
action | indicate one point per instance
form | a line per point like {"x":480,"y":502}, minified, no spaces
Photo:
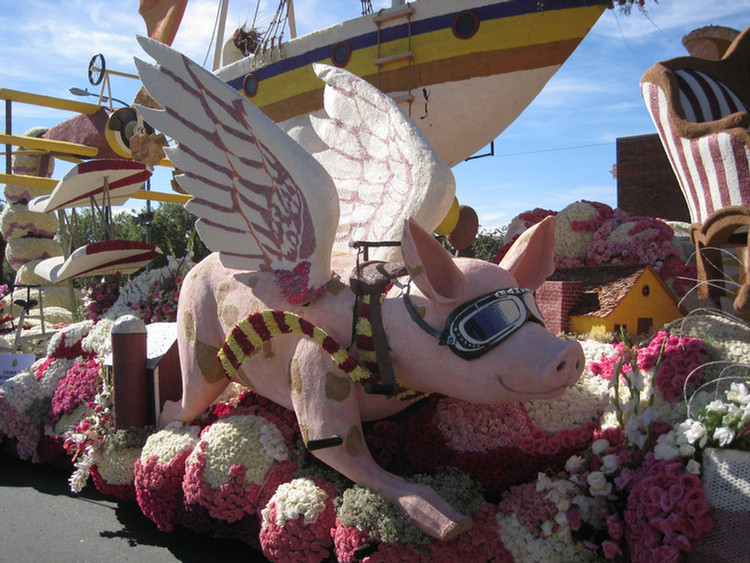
{"x":561,"y":149}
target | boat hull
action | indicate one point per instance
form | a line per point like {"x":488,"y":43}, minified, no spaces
{"x":464,"y":70}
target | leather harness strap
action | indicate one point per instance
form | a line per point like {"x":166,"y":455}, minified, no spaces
{"x":369,"y":281}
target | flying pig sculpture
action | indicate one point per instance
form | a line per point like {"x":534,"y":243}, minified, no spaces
{"x":267,"y":310}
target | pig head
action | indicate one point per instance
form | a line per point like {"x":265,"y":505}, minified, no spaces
{"x":530,"y":364}
{"x":294,"y":370}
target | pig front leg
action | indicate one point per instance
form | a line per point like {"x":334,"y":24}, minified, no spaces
{"x":326,"y":403}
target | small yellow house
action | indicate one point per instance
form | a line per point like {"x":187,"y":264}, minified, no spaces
{"x":603,"y":299}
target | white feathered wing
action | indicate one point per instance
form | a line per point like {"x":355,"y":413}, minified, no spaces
{"x":263,"y":202}
{"x":384,"y":167}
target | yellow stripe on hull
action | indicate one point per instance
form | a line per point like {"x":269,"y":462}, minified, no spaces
{"x":500,"y":46}
{"x":516,"y":54}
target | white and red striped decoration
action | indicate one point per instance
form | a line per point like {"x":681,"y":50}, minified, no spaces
{"x":713,"y":170}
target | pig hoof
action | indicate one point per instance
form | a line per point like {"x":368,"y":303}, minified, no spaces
{"x":169,"y":412}
{"x":457,"y":529}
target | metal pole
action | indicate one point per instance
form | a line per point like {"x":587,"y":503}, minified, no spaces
{"x":8,"y":127}
{"x":65,"y":242}
{"x":223,"y":5}
{"x":292,"y":21}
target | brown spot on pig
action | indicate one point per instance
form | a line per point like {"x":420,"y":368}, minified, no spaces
{"x":222,"y":290}
{"x":294,"y":377}
{"x":338,"y":388}
{"x":336,"y":286}
{"x":230,"y":315}
{"x":267,"y":348}
{"x":354,"y":442}
{"x":208,"y":364}
{"x":188,"y":325}
{"x":304,"y":430}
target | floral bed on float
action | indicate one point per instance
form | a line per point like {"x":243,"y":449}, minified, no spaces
{"x":610,"y":471}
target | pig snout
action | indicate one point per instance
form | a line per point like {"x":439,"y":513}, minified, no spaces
{"x":545,"y":369}
{"x":569,"y":364}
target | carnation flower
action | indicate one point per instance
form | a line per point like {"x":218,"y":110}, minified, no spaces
{"x":297,"y":521}
{"x":575,"y":228}
{"x":153,"y":294}
{"x":235,"y":457}
{"x":533,"y":530}
{"x":159,"y":472}
{"x":101,"y":294}
{"x":666,"y":511}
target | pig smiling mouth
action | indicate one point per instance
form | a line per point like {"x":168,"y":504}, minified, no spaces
{"x":556,"y":390}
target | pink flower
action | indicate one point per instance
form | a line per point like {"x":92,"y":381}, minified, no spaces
{"x":615,"y":526}
{"x":574,"y":519}
{"x":657,"y":514}
{"x":611,"y":549}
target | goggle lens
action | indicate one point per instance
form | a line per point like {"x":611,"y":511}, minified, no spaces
{"x":491,"y":320}
{"x":479,"y":325}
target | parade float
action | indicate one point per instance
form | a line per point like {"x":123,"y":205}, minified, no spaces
{"x":625,"y":458}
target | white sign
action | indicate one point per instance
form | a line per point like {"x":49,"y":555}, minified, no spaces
{"x":11,"y":364}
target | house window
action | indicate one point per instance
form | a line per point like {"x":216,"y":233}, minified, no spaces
{"x":645,"y":290}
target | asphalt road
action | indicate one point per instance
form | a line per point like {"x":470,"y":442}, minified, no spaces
{"x":42,"y":521}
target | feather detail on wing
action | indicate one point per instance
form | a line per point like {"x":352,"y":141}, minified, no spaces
{"x":263,"y":202}
{"x":385,"y":169}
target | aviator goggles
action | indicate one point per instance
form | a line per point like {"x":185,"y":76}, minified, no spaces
{"x":479,"y":325}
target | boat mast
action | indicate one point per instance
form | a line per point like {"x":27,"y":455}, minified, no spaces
{"x":221,"y":22}
{"x":290,"y":18}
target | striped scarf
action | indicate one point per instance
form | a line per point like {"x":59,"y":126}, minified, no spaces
{"x":246,"y":338}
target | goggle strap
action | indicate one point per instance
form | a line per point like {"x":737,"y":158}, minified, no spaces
{"x":417,"y":319}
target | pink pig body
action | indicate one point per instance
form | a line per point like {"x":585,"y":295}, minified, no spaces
{"x":294,"y":371}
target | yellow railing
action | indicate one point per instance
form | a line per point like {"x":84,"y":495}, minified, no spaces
{"x":48,"y":145}
{"x":48,"y":101}
{"x":50,"y":183}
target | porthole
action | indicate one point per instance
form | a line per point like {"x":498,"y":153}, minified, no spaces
{"x":645,"y":291}
{"x":250,"y":85}
{"x":341,"y":53}
{"x":465,"y":24}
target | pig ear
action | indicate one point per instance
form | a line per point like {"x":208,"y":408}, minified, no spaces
{"x":430,"y":266}
{"x":531,"y":258}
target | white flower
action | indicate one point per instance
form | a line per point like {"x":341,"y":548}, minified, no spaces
{"x":248,"y":440}
{"x":693,"y":467}
{"x":563,"y":505}
{"x":598,"y":483}
{"x":724,"y":435}
{"x":636,"y":379}
{"x":692,"y":431}
{"x":739,"y":393}
{"x":610,"y":463}
{"x":543,"y":482}
{"x":665,"y":446}
{"x":599,"y":446}
{"x":176,"y":437}
{"x":716,"y":406}
{"x":686,"y":450}
{"x":299,"y":497}
{"x":574,"y":462}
